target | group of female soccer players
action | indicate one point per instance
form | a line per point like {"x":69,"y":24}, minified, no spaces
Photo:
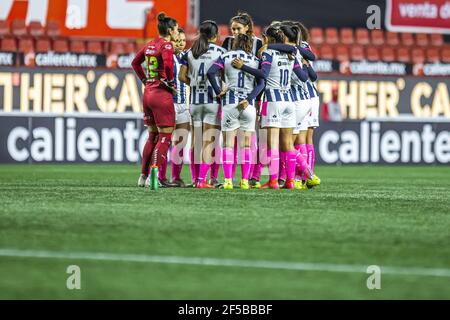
{"x":258,"y":95}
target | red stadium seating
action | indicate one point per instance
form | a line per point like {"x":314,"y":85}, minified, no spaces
{"x":117,"y":48}
{"x":9,"y":44}
{"x":129,"y":47}
{"x":403,"y":54}
{"x":4,"y":28}
{"x":388,"y":54}
{"x":36,"y":29}
{"x":326,"y":52}
{"x":77,"y":46}
{"x":316,"y":36}
{"x":445,"y":54}
{"x":257,"y":30}
{"x":347,"y":36}
{"x":26,"y":45}
{"x":331,"y":36}
{"x":392,"y":39}
{"x":43,"y":45}
{"x":422,"y":39}
{"x":373,"y":54}
{"x":417,"y":55}
{"x":407,"y":39}
{"x":432,"y":54}
{"x":53,"y":29}
{"x":437,"y":39}
{"x":342,"y":53}
{"x":377,"y":37}
{"x":61,"y":45}
{"x":224,"y":31}
{"x":362,"y":36}
{"x":18,"y":28}
{"x":94,"y":47}
{"x":357,"y":52}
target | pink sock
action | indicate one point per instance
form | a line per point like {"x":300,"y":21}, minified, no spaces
{"x":291,"y":163}
{"x":227,"y":162}
{"x":176,"y":157}
{"x":235,"y":150}
{"x":257,"y":168}
{"x":274,"y":163}
{"x":203,"y":171}
{"x":282,"y":171}
{"x":254,"y":152}
{"x":245,"y":162}
{"x":215,"y":166}
{"x":302,"y":167}
{"x":311,"y":156}
{"x":193,"y":166}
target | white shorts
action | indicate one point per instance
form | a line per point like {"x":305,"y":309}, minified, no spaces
{"x":279,"y":114}
{"x":237,"y":118}
{"x":182,"y":114}
{"x":302,"y":111}
{"x":205,"y":113}
{"x":313,"y":118}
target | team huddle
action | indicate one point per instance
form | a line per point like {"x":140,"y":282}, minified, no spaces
{"x":256,"y":96}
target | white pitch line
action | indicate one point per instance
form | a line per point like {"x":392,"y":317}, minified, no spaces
{"x":218,"y":262}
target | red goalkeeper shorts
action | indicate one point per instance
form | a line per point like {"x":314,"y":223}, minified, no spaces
{"x":159,"y":109}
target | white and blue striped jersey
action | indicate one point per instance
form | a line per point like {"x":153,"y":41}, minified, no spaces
{"x":298,"y":87}
{"x":278,"y":82}
{"x":201,"y":90}
{"x":239,"y":83}
{"x":312,"y":89}
{"x":311,"y":86}
{"x":180,"y":97}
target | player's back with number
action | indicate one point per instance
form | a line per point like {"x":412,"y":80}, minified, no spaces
{"x":154,"y":64}
{"x":236,"y":79}
{"x":198,"y":68}
{"x":281,"y":69}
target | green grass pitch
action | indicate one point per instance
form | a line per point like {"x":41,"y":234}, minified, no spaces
{"x":360,"y":215}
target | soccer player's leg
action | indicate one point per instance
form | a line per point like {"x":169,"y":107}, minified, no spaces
{"x":152,"y":138}
{"x":272,"y":123}
{"x":247,"y":119}
{"x":210,"y":142}
{"x":313,"y":123}
{"x":273,"y":157}
{"x":196,"y":112}
{"x":179,"y":142}
{"x":287,"y":151}
{"x":303,"y":109}
{"x":229,"y":125}
{"x":164,"y":113}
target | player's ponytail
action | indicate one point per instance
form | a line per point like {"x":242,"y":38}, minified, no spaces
{"x":165,"y":23}
{"x":208,"y":30}
{"x":274,"y":33}
{"x":292,"y":32}
{"x":304,"y":31}
{"x":243,"y":42}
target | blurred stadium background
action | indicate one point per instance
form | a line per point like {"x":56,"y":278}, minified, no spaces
{"x":69,"y":96}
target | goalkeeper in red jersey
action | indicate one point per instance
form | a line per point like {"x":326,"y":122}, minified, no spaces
{"x":159,"y":112}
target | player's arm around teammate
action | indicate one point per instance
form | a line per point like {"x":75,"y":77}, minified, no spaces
{"x":238,"y":107}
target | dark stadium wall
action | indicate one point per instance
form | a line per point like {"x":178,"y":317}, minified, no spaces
{"x":317,"y":13}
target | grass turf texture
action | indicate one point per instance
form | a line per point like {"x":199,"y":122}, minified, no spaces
{"x":393,"y":216}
